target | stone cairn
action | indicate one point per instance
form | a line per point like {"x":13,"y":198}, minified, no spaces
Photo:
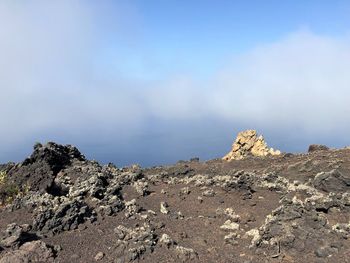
{"x":249,"y":143}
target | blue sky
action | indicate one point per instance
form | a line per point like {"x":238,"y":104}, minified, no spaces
{"x":152,"y":82}
{"x":197,"y":36}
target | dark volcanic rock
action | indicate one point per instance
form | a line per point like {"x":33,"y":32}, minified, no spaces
{"x":15,"y":235}
{"x":317,"y":147}
{"x":6,"y":167}
{"x":35,"y":251}
{"x":333,"y":181}
{"x":292,"y":226}
{"x":181,"y":170}
{"x":38,"y":171}
{"x":67,"y":217}
{"x":55,"y":155}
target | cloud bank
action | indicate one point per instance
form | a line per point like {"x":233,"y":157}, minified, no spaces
{"x":55,"y":83}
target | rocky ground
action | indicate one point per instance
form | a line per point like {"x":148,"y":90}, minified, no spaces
{"x":56,"y":206}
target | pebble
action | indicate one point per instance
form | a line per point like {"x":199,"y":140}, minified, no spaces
{"x":99,"y":256}
{"x":322,"y":252}
{"x":57,"y":248}
{"x":164,"y":208}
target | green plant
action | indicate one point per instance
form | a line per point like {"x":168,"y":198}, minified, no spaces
{"x":3,"y":177}
{"x":8,"y":190}
{"x":11,"y":190}
{"x":26,"y":189}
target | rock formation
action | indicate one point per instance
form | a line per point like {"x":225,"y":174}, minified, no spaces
{"x":249,"y":143}
{"x":317,"y":147}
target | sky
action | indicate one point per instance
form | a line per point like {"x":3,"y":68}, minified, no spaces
{"x":152,"y":82}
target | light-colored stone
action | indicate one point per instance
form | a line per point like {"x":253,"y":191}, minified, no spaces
{"x":151,"y":212}
{"x":231,"y":213}
{"x":166,"y":239}
{"x":249,"y":143}
{"x":99,"y":256}
{"x":185,"y":190}
{"x":209,"y":193}
{"x":229,"y":225}
{"x":185,"y":253}
{"x":231,"y":238}
{"x":131,"y":208}
{"x":254,"y":233}
{"x":141,"y":187}
{"x":164,"y":208}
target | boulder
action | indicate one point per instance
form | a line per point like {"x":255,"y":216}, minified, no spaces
{"x":15,"y":235}
{"x":249,"y":143}
{"x":317,"y":147}
{"x":333,"y":181}
{"x":38,"y":171}
{"x":185,"y":254}
{"x":166,"y":239}
{"x":35,"y":251}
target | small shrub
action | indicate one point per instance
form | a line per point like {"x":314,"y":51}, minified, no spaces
{"x":7,"y":190}
{"x":3,"y":177}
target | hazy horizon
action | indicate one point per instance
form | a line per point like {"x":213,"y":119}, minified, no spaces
{"x":153,"y":82}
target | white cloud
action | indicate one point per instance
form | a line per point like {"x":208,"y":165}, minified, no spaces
{"x":48,"y":79}
{"x":302,"y":80}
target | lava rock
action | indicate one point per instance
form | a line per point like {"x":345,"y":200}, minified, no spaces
{"x":39,"y":170}
{"x":185,"y":254}
{"x":35,"y":251}
{"x":15,"y":235}
{"x":66,"y":217}
{"x":317,"y":147}
{"x":333,"y":181}
{"x":132,"y":243}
